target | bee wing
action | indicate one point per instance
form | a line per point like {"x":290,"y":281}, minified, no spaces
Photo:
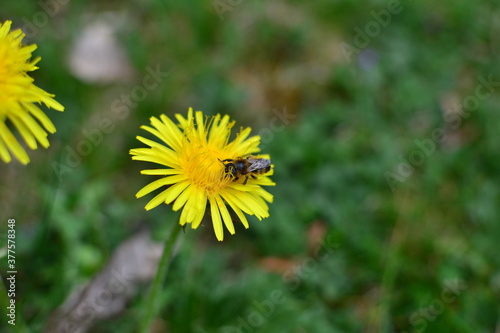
{"x":258,"y":164}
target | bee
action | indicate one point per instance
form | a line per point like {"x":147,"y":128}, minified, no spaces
{"x":248,"y":167}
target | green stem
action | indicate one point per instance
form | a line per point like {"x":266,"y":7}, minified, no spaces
{"x":151,"y":302}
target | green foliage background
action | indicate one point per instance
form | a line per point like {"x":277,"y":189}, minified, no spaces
{"x":401,"y":221}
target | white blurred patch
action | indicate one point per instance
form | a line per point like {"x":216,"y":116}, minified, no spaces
{"x":132,"y":264}
{"x":96,"y":55}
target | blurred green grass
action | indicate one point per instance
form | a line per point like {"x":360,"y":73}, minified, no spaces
{"x":354,"y":119}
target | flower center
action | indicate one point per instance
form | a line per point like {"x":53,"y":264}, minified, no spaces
{"x":203,"y":167}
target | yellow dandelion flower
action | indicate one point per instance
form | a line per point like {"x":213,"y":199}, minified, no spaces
{"x":18,"y":95}
{"x":193,"y":153}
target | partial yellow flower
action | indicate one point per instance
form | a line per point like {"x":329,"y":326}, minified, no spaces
{"x":192,"y":151}
{"x":18,"y":95}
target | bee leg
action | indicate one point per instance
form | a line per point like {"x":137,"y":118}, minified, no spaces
{"x":235,"y":179}
{"x":246,"y":179}
{"x":254,"y":177}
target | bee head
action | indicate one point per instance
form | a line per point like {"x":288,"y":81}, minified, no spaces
{"x":229,"y":167}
